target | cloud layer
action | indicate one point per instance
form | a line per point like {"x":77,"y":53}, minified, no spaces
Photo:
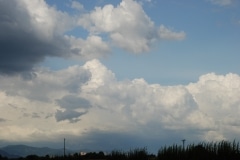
{"x":30,"y":31}
{"x":89,"y":102}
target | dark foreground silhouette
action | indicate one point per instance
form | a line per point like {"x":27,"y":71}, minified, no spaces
{"x":223,"y":150}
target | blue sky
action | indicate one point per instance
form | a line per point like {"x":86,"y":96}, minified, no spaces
{"x":119,"y":74}
{"x":210,"y":44}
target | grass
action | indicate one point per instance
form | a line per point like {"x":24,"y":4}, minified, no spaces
{"x":211,"y":151}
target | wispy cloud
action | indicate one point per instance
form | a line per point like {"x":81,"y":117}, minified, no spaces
{"x":77,"y":5}
{"x":221,"y":2}
{"x":166,"y":33}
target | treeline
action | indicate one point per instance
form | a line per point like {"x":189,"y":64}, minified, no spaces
{"x":223,"y":150}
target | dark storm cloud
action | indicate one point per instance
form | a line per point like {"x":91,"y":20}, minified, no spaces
{"x":2,"y":120}
{"x":73,"y":102}
{"x":71,"y":115}
{"x":21,"y":47}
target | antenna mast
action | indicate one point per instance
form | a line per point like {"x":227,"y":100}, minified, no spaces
{"x":64,"y":148}
{"x":183,"y":143}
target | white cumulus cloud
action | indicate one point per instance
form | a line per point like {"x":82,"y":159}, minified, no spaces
{"x":90,"y":96}
{"x":127,"y":26}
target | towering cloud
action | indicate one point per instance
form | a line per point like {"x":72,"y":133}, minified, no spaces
{"x":88,"y":101}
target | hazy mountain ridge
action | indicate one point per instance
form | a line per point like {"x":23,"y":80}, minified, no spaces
{"x":24,"y":150}
{"x":5,"y":154}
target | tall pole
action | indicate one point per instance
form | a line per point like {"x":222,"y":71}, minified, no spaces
{"x":183,"y":141}
{"x":64,"y":148}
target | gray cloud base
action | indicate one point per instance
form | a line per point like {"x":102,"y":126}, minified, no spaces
{"x":21,"y":46}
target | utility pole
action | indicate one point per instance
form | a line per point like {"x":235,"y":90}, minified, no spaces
{"x":64,"y":149}
{"x":183,"y":141}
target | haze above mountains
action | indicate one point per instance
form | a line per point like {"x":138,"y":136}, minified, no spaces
{"x":16,"y":151}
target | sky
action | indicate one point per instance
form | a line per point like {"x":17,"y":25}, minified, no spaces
{"x":119,"y":74}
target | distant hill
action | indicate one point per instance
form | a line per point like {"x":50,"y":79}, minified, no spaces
{"x":13,"y":151}
{"x":5,"y":154}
